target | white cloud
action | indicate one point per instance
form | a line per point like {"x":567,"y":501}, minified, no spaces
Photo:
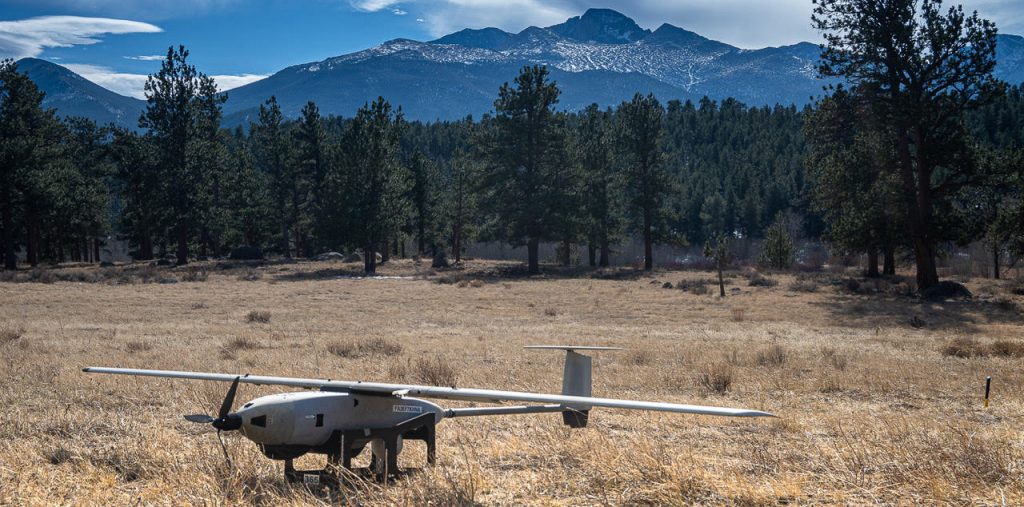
{"x":147,"y":58}
{"x":124,"y":83}
{"x":133,"y":85}
{"x":227,"y":82}
{"x":398,"y":12}
{"x":372,"y":5}
{"x":141,"y":9}
{"x":29,"y":37}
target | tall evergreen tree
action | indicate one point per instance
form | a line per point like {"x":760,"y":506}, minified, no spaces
{"x":647,"y":182}
{"x":377,"y":183}
{"x":30,"y":145}
{"x":602,"y":202}
{"x":921,"y":69}
{"x":522,"y":146}
{"x":424,"y":199}
{"x":309,"y":139}
{"x":171,"y":117}
{"x":137,"y":168}
{"x":270,"y":145}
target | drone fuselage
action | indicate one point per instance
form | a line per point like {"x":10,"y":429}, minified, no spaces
{"x":288,"y":425}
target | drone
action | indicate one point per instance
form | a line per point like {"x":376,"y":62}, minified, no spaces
{"x":341,"y":418}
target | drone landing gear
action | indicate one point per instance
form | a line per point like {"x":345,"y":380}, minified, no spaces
{"x":347,"y":444}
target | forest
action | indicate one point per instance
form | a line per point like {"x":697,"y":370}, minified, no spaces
{"x":913,"y":155}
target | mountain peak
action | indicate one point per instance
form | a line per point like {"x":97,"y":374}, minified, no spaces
{"x":601,"y":25}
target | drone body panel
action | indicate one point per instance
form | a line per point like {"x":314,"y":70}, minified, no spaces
{"x":291,"y":424}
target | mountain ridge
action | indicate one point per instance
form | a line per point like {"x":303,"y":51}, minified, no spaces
{"x":601,"y":56}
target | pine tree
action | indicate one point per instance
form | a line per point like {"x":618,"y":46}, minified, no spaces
{"x":647,"y":182}
{"x":30,"y":147}
{"x":522,"y":148}
{"x":173,"y":113}
{"x":137,"y":168}
{"x":778,"y":250}
{"x":309,"y":139}
{"x":424,"y":198}
{"x":376,"y":181}
{"x":270,"y":145}
{"x":602,"y":201}
{"x":920,"y":70}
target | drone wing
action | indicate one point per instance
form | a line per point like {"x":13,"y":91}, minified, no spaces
{"x":445,"y":393}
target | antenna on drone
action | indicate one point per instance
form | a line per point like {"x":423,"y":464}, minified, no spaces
{"x":576,"y":380}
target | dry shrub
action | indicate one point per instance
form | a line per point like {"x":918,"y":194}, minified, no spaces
{"x":804,"y":285}
{"x":198,"y":305}
{"x":1005,"y":303}
{"x":138,"y":346}
{"x":696,"y":286}
{"x":715,"y":378}
{"x":773,"y":356}
{"x":964,"y":347}
{"x":1007,"y":348}
{"x":758,"y":280}
{"x":250,"y":275}
{"x":550,"y":312}
{"x":195,"y":275}
{"x":10,"y":334}
{"x":639,"y":357}
{"x":8,"y":276}
{"x":837,"y":360}
{"x":435,"y":373}
{"x":371,"y":347}
{"x":258,"y":316}
{"x":242,"y":343}
{"x":738,"y":314}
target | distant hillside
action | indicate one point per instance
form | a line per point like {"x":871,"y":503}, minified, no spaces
{"x":601,"y":56}
{"x":73,"y":95}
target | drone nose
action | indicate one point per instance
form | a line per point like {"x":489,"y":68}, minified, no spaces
{"x":228,"y":422}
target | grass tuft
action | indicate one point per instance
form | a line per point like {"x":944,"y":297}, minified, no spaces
{"x":258,"y":316}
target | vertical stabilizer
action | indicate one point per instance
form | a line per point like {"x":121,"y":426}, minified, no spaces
{"x":576,"y":381}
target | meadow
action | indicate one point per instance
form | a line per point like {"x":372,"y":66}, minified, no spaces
{"x":878,"y":393}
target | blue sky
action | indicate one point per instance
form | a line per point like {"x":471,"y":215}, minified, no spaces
{"x":116,"y":42}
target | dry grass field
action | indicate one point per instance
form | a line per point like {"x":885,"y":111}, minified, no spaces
{"x":879,"y":395}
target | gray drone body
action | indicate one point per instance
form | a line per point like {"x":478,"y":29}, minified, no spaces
{"x":342,"y":417}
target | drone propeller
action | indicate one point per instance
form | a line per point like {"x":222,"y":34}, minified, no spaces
{"x":225,"y":420}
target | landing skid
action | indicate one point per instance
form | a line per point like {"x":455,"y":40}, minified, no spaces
{"x":347,"y":444}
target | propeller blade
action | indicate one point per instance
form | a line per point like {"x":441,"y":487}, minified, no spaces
{"x":229,"y":400}
{"x":224,"y":448}
{"x":199,"y":418}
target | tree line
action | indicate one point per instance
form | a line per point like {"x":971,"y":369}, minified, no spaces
{"x":921,"y":149}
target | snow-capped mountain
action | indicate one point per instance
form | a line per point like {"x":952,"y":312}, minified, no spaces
{"x":600,"y":57}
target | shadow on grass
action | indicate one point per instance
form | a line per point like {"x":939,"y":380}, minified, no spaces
{"x":886,"y":310}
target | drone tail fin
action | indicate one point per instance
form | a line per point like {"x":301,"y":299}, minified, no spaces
{"x":576,"y":381}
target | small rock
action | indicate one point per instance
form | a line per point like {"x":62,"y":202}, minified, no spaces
{"x":666,"y":285}
{"x":330,"y":256}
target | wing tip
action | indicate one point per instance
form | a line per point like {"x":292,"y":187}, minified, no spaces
{"x":86,"y":369}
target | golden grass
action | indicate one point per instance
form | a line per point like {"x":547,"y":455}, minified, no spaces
{"x":870,"y":409}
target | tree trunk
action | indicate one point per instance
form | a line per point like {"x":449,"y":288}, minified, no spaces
{"x":872,"y":262}
{"x":889,"y":268}
{"x":369,"y":259}
{"x":605,"y":251}
{"x":182,"y":232}
{"x":421,"y":246}
{"x":566,"y":252}
{"x":32,"y":239}
{"x":457,"y":241}
{"x":721,"y":281}
{"x":592,"y":254}
{"x":648,"y":250}
{"x":533,"y":263}
{"x":385,"y":253}
{"x":924,"y":258}
{"x":7,"y":230}
{"x":96,"y":249}
{"x":995,"y":262}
